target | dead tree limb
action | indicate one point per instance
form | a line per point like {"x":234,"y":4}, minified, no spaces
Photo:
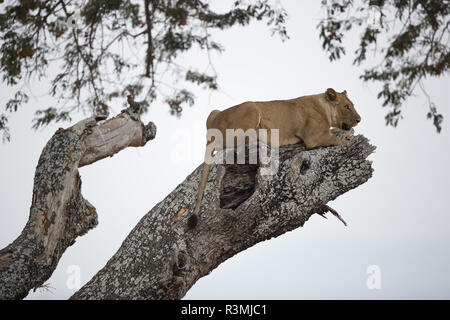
{"x":59,"y":213}
{"x":161,"y":258}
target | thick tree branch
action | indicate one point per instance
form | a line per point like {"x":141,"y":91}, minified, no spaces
{"x":59,"y":213}
{"x":161,"y":258}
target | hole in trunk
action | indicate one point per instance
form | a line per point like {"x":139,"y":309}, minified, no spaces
{"x":238,"y":184}
{"x":239,"y":181}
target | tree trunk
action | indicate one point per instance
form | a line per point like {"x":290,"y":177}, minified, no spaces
{"x":59,"y":213}
{"x":161,"y":258}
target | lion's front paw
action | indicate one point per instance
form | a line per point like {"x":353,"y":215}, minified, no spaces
{"x":336,"y":130}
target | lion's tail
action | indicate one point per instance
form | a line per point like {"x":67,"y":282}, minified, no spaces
{"x":193,"y":219}
{"x":192,"y":222}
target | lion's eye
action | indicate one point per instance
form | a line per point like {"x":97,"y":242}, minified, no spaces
{"x":347,"y":107}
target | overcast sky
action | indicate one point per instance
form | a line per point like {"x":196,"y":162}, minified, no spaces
{"x":398,"y":221}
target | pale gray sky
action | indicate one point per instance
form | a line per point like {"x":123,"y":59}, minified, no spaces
{"x":399,"y":220}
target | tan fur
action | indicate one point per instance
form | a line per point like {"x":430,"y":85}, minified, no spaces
{"x":308,"y":118}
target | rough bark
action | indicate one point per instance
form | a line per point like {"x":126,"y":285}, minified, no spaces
{"x":161,"y":258}
{"x":59,"y":213}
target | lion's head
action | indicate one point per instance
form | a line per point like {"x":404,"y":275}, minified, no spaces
{"x":345,"y":115}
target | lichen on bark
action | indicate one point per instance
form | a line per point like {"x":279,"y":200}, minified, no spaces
{"x":59,"y":213}
{"x":161,"y":258}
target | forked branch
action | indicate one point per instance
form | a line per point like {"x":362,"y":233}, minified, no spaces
{"x":59,"y":213}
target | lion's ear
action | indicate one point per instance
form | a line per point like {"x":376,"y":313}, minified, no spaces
{"x":344,"y":92}
{"x":330,"y":94}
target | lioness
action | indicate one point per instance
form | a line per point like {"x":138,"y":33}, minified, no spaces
{"x":307,"y":118}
